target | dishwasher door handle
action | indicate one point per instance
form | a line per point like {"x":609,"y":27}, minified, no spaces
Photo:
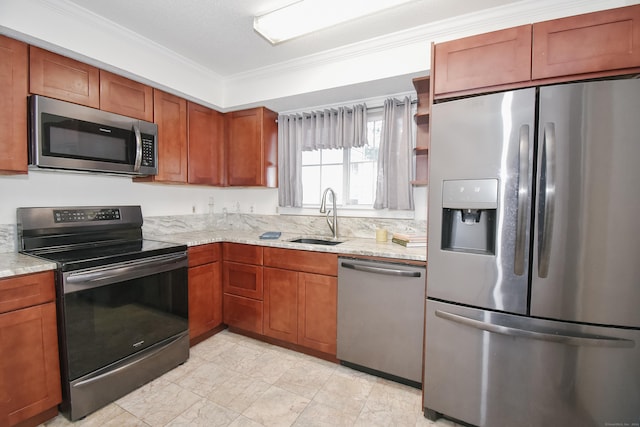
{"x":381,"y":270}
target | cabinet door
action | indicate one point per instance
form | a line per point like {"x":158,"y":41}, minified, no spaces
{"x":317,"y":308}
{"x":242,"y":313}
{"x":594,"y":42}
{"x":14,"y":63}
{"x":206,"y":140}
{"x":123,"y":96}
{"x":491,"y":59}
{"x":170,"y":114}
{"x":251,"y":148}
{"x":281,"y":304}
{"x":29,"y":367}
{"x":242,"y":279}
{"x":205,"y":299}
{"x":63,"y":78}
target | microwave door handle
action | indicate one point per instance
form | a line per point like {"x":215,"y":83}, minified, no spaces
{"x":138,"y":162}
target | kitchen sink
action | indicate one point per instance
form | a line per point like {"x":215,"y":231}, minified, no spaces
{"x":312,"y":241}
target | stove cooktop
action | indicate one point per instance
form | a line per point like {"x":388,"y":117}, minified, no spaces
{"x":93,"y":255}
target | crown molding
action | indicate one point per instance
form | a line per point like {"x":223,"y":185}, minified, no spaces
{"x":519,"y":13}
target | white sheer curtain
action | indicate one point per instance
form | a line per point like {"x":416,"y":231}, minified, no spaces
{"x":395,"y":157}
{"x":342,"y":127}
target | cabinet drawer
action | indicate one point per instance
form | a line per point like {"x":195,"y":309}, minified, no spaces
{"x":242,"y":279}
{"x":306,"y":261}
{"x":242,"y":313}
{"x":593,"y":42}
{"x":203,"y":254}
{"x":25,"y":291}
{"x":491,"y":59}
{"x":237,"y":252}
{"x":63,"y":78}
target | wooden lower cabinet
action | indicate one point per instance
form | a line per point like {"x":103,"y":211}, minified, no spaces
{"x":29,"y":366}
{"x":300,"y":307}
{"x":242,"y":313}
{"x":281,"y":304}
{"x":317,"y":312}
{"x":291,"y":296}
{"x":205,"y":291}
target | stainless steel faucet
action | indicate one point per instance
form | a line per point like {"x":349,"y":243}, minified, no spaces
{"x":333,"y":226}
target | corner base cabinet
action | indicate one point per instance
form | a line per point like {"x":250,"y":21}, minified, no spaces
{"x":29,"y":366}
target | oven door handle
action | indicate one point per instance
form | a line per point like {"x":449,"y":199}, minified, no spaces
{"x":101,"y":276}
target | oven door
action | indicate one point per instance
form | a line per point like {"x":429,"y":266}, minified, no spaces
{"x":114,"y":311}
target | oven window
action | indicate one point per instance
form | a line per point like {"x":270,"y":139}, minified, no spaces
{"x":108,"y":323}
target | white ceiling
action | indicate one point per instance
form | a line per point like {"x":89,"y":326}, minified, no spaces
{"x":218,"y":34}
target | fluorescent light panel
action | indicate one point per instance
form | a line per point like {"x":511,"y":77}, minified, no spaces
{"x":307,"y":16}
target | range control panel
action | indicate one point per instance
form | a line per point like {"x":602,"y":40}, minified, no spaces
{"x":80,"y":215}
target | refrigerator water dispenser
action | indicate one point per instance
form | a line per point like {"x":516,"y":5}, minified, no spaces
{"x":469,"y":215}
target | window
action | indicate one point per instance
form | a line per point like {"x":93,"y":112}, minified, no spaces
{"x":351,"y":173}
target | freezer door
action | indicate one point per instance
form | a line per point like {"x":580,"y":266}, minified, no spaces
{"x":495,"y":369}
{"x":586,"y":264}
{"x":479,"y":200}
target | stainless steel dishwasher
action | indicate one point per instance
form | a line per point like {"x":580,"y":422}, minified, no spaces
{"x":381,"y":318}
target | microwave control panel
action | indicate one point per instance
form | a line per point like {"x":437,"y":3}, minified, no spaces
{"x":148,"y":151}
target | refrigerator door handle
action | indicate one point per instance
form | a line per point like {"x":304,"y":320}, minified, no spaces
{"x":576,"y":338}
{"x":523,"y":195}
{"x":548,"y":193}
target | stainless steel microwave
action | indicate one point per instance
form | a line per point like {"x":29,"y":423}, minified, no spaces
{"x":68,"y":136}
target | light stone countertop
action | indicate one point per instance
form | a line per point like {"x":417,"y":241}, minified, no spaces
{"x":350,"y":245}
{"x":15,"y":264}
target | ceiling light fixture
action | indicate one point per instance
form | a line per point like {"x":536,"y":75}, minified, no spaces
{"x":307,"y":16}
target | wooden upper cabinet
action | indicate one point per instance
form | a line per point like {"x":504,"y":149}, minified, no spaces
{"x":63,"y":78}
{"x":589,"y":43}
{"x":170,"y":114}
{"x":491,"y":59}
{"x":123,"y":96}
{"x":14,"y":87}
{"x":206,"y":142}
{"x":252,"y":148}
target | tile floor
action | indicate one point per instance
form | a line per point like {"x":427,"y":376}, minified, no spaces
{"x":232,"y":380}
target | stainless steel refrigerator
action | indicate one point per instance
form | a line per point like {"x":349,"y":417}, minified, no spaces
{"x":533,"y":274}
